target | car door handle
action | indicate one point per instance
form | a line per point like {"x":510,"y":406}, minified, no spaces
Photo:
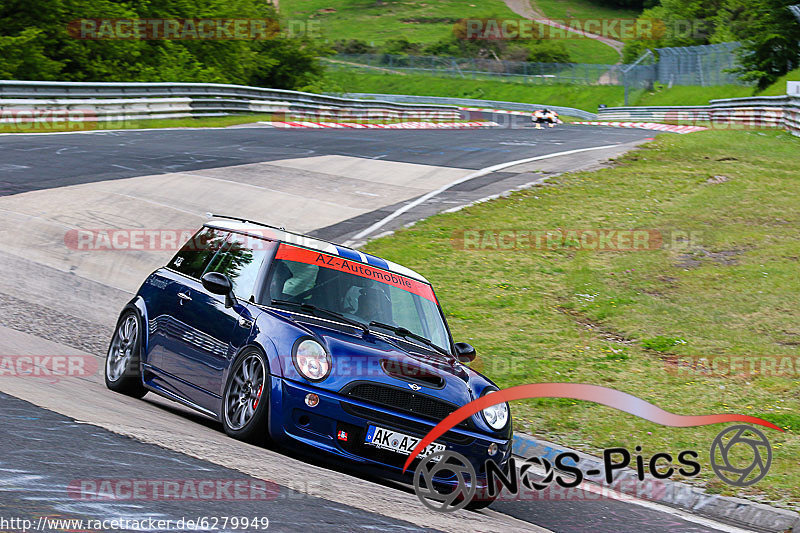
{"x":184,"y":296}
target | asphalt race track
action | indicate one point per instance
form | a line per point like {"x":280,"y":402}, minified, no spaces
{"x":58,"y":299}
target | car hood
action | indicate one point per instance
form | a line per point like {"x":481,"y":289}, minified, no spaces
{"x":383,"y":359}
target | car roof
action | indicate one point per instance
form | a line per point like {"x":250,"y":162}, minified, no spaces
{"x":255,"y":229}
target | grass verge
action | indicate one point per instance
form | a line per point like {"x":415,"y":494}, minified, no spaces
{"x":779,"y":87}
{"x":578,"y":96}
{"x":619,"y":319}
{"x":202,"y":122}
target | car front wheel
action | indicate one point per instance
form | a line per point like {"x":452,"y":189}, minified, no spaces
{"x":246,"y":398}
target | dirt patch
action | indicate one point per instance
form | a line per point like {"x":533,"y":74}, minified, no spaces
{"x":597,"y":329}
{"x":529,"y":10}
{"x":696,"y":258}
{"x":716,"y":180}
{"x":430,"y":20}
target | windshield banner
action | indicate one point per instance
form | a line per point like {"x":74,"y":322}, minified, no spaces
{"x":313,"y":257}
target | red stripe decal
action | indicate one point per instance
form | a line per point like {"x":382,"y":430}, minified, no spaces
{"x":335,"y":262}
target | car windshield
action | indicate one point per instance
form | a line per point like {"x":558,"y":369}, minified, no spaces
{"x":357,"y":291}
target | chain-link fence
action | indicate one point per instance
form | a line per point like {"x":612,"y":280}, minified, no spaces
{"x":478,"y":68}
{"x":692,"y":65}
{"x":698,"y":65}
{"x":795,"y":9}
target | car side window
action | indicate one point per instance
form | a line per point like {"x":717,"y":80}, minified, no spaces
{"x":241,"y":259}
{"x":197,"y":253}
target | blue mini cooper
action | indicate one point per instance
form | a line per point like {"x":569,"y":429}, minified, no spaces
{"x":288,"y":338}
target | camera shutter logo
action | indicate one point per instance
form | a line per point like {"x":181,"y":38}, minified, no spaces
{"x":440,"y":463}
{"x":546,"y":479}
{"x":740,"y":436}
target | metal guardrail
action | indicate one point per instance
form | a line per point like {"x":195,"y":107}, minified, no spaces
{"x":470,"y":102}
{"x":654,"y":113}
{"x":759,"y":112}
{"x":121,"y":101}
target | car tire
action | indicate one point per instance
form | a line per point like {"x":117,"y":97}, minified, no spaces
{"x":121,"y":369}
{"x":245,"y":401}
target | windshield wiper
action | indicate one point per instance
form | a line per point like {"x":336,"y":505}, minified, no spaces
{"x":404,"y":332}
{"x":319,"y":310}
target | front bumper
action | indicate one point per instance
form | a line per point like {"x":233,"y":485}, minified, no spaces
{"x":291,"y":418}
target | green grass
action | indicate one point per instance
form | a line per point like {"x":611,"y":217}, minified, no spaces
{"x":583,"y":50}
{"x":578,"y":96}
{"x":690,"y":95}
{"x":580,"y":9}
{"x":615,"y":318}
{"x":779,"y":87}
{"x":378,"y":21}
{"x":582,"y":97}
{"x":425,"y":21}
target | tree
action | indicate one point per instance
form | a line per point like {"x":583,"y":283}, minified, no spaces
{"x":36,"y":44}
{"x":770,"y":37}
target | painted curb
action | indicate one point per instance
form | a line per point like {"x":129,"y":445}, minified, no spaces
{"x":646,"y":126}
{"x":727,"y":509}
{"x":392,"y":126}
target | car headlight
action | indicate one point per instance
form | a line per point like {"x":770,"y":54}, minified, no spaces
{"x":496,"y":415}
{"x":311,"y":360}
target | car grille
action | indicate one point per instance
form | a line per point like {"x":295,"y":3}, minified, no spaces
{"x":401,"y":400}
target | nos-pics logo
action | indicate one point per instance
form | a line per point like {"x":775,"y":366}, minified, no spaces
{"x":446,"y":481}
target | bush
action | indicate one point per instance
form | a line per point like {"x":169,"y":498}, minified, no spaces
{"x":35,"y":45}
{"x":353,"y":46}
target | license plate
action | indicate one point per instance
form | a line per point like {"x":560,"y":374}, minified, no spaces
{"x":386,"y":439}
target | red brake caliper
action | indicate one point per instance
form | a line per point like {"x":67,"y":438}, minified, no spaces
{"x":258,"y":397}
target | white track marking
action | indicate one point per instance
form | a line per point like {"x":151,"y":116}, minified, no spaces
{"x":478,"y":173}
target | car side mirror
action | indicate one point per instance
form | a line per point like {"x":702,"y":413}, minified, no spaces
{"x":218,"y":283}
{"x":465,"y":352}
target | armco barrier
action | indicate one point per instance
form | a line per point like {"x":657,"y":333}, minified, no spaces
{"x":655,"y":113}
{"x":123,"y":101}
{"x":756,"y":112}
{"x":469,"y":102}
